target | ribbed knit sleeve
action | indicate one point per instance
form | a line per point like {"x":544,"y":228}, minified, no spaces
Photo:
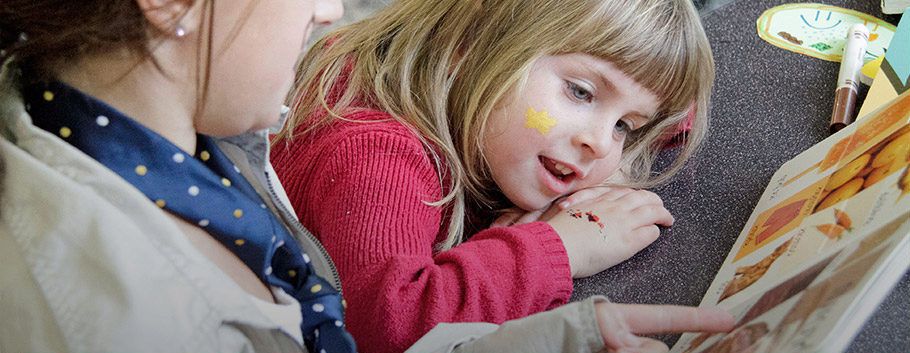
{"x":363,"y":190}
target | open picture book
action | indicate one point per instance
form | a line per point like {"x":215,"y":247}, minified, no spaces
{"x":824,"y":245}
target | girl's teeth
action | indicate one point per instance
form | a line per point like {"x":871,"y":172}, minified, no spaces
{"x":563,"y":169}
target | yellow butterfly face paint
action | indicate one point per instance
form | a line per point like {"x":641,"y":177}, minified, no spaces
{"x":540,"y":121}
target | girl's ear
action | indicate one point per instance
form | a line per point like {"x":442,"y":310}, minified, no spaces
{"x":171,"y":17}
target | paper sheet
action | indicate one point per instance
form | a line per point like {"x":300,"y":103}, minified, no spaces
{"x":819,"y":30}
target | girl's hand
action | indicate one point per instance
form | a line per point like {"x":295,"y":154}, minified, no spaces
{"x":603,"y":230}
{"x":620,"y":324}
{"x":516,"y":216}
{"x":590,"y":194}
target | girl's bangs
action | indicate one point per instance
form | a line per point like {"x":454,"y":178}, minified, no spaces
{"x":661,"y":51}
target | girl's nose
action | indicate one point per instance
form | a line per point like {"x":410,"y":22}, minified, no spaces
{"x":328,"y":11}
{"x":595,"y":141}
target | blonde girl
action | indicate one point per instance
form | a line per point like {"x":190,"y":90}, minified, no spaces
{"x":411,"y":130}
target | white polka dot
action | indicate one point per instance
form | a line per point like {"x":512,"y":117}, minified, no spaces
{"x":268,"y":270}
{"x":318,"y":307}
{"x":274,"y":237}
{"x":203,"y":222}
{"x":262,"y":205}
{"x":316,"y":332}
{"x":178,"y":157}
{"x":279,"y":244}
{"x":236,"y":169}
{"x":338,"y":323}
{"x":322,"y":351}
{"x":193,"y":190}
{"x":102,"y":120}
{"x":306,"y":258}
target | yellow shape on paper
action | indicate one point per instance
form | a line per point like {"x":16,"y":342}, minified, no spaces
{"x":870,"y":69}
{"x":541,"y":121}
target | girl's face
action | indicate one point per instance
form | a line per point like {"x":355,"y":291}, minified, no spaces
{"x":254,"y":48}
{"x":565,"y":130}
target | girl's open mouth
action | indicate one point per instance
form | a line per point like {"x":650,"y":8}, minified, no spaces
{"x":558,"y":170}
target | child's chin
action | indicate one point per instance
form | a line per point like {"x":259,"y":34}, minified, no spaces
{"x":272,"y":120}
{"x":532,"y":204}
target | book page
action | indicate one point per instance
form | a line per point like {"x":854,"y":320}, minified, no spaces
{"x":853,"y":180}
{"x":824,"y":229}
{"x":805,"y":311}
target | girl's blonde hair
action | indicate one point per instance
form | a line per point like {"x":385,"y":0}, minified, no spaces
{"x":441,"y":66}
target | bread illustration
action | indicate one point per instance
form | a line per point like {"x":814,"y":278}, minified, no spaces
{"x":745,"y":276}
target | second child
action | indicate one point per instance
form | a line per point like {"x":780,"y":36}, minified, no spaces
{"x":413,"y":129}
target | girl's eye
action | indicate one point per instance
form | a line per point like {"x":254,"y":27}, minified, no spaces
{"x":579,"y":93}
{"x":622,"y":127}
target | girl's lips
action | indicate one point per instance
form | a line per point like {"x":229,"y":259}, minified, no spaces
{"x":560,"y":170}
{"x":558,"y":185}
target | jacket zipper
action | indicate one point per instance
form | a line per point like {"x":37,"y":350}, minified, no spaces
{"x":298,"y":227}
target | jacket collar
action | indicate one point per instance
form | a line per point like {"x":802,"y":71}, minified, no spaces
{"x":249,"y":151}
{"x":15,"y":122}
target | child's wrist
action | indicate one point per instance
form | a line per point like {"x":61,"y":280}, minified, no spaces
{"x":560,"y":230}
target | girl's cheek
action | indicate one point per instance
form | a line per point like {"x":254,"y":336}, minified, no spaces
{"x":540,"y":121}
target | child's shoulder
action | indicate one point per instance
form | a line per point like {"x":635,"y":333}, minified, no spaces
{"x":369,"y":124}
{"x":361,"y":131}
{"x":360,"y":138}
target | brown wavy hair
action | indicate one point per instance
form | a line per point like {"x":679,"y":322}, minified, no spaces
{"x":40,"y":37}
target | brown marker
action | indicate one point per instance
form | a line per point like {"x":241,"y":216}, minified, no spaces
{"x":848,"y":77}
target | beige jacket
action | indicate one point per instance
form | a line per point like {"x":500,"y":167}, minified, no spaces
{"x":89,"y":264}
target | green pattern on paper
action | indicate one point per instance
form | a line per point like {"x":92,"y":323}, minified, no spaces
{"x":821,"y":46}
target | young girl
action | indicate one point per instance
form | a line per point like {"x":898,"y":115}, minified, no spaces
{"x":418,"y":125}
{"x":138,"y":210}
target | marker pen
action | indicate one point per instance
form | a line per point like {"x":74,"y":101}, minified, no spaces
{"x":848,"y":77}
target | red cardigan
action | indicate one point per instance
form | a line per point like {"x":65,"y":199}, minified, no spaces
{"x":362,"y":189}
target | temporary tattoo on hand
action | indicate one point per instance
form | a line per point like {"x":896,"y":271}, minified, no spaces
{"x":541,"y":121}
{"x":589,"y":216}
